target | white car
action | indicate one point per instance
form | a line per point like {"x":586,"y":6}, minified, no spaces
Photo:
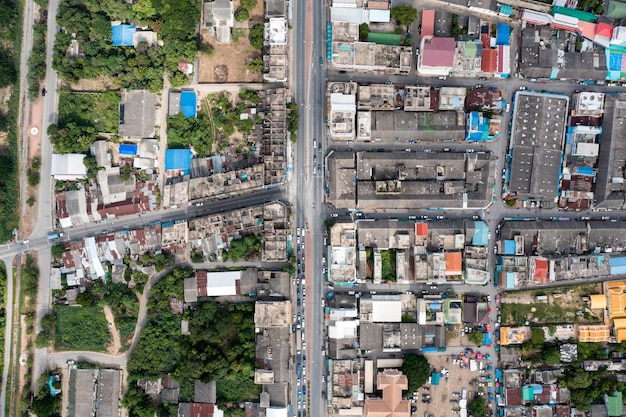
{"x":298,"y":231}
{"x":303,"y":345}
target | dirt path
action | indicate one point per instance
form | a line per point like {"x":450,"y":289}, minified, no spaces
{"x":115,"y":345}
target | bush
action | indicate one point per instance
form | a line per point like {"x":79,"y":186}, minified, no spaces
{"x":246,"y":248}
{"x":257,"y":33}
{"x":242,"y":15}
{"x":255,"y":65}
{"x":248,"y":4}
{"x":57,"y":251}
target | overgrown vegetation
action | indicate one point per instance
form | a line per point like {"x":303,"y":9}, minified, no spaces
{"x":3,"y":300}
{"x":29,"y":276}
{"x":221,"y":347}
{"x":216,"y":122}
{"x":292,"y":120}
{"x":404,"y":15}
{"x":42,"y":404}
{"x":592,"y":6}
{"x":81,"y":118}
{"x":160,"y":261}
{"x":33,"y":174}
{"x":124,"y":306}
{"x":80,"y":328}
{"x":126,"y":66}
{"x":364,"y":30}
{"x":247,"y":248}
{"x":256,"y":35}
{"x":10,"y":45}
{"x":388,"y":261}
{"x":417,"y":370}
{"x":37,"y":60}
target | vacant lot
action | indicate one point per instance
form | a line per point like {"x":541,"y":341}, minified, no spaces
{"x":564,"y":305}
{"x":86,"y":109}
{"x":81,"y":328}
{"x":228,"y":62}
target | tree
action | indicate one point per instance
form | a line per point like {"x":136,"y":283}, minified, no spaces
{"x":456,"y":30}
{"x":417,"y":370}
{"x":478,"y":406}
{"x":551,"y":355}
{"x":144,"y":9}
{"x":364,"y":30}
{"x":475,"y":337}
{"x":251,"y":96}
{"x":537,"y":337}
{"x":329,"y":222}
{"x":256,"y":35}
{"x":404,"y":15}
{"x":242,"y":15}
{"x":57,"y":251}
{"x":248,"y":4}
{"x":255,"y":65}
{"x":197,"y":256}
{"x":85,"y":299}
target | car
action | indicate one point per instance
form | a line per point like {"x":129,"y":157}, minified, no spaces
{"x":433,"y":287}
{"x":475,"y":217}
{"x":342,"y":72}
{"x":294,"y":316}
{"x":446,"y":149}
{"x":298,"y":231}
{"x":304,"y":292}
{"x":412,"y":217}
{"x":314,"y":143}
{"x":417,"y":51}
{"x":25,"y":241}
{"x":319,"y":148}
{"x":319,"y":168}
{"x":70,"y":362}
{"x":299,"y":317}
{"x":440,"y":217}
{"x":304,"y":389}
{"x":488,"y":298}
{"x":425,"y":401}
{"x":299,"y":406}
{"x":315,"y":159}
{"x":298,"y":240}
{"x":321,"y":61}
{"x":323,"y":302}
{"x":495,"y":249}
{"x":470,"y":151}
{"x":293,"y":281}
{"x":314,"y":169}
{"x":303,"y":345}
{"x":359,"y":213}
{"x":442,"y":78}
{"x":350,"y":142}
{"x":478,"y":86}
{"x":456,"y":394}
{"x":298,"y":383}
{"x":334,"y":215}
{"x":199,"y":204}
{"x":323,"y":379}
{"x":407,"y":150}
{"x":522,"y":88}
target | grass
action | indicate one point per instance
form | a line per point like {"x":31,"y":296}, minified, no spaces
{"x":556,"y":310}
{"x":86,"y":109}
{"x":80,"y":328}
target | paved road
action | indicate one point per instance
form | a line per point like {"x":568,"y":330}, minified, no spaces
{"x":8,"y":329}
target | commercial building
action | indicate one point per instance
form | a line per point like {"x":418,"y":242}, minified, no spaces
{"x":94,"y":392}
{"x":436,"y":56}
{"x":392,"y":404}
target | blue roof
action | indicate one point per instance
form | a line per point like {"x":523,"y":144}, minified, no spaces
{"x":481,"y":235}
{"x":435,"y":378}
{"x":509,"y":247}
{"x":618,"y":265}
{"x":122,"y":35}
{"x":486,"y":338}
{"x":585,"y":170}
{"x":503,"y":34}
{"x":128,"y":149}
{"x":510,"y":280}
{"x":188,"y":103}
{"x":178,"y":159}
{"x":506,"y":10}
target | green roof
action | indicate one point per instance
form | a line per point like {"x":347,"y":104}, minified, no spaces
{"x":578,"y":14}
{"x":614,"y":404}
{"x":471,"y":49}
{"x":390,"y":39}
{"x":616,"y":9}
{"x":527,"y":393}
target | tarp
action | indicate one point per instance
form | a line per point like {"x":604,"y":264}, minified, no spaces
{"x":188,"y":103}
{"x":390,"y":39}
{"x":618,"y":265}
{"x":487,"y":338}
{"x":509,"y":247}
{"x":122,"y":35}
{"x":128,"y":149}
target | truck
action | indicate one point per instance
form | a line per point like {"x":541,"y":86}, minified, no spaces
{"x":299,"y":371}
{"x":55,"y":235}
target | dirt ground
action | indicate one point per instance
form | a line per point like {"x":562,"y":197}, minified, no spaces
{"x":563,"y":305}
{"x":98,"y":84}
{"x":228,"y":62}
{"x":440,"y":395}
{"x":115,"y":345}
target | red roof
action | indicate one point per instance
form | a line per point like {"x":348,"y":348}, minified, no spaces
{"x":541,"y":269}
{"x":513,"y":397}
{"x":490,"y":60}
{"x":201,"y":410}
{"x":485,"y":39}
{"x":428,"y":23}
{"x":605,"y":30}
{"x":201,"y":280}
{"x":438,"y":52}
{"x":421,"y":229}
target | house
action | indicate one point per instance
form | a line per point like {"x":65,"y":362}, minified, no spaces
{"x":68,"y":167}
{"x":137,"y":114}
{"x":391,"y":383}
{"x":436,"y":56}
{"x":219,"y":19}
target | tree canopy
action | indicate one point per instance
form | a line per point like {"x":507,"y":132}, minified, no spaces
{"x":404,"y":15}
{"x":478,"y":406}
{"x":417,"y":369}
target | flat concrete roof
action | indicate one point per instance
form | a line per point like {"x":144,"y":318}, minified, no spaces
{"x":137,"y":114}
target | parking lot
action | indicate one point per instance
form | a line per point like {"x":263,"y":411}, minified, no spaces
{"x":445,"y":399}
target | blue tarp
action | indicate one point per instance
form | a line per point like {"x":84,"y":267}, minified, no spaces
{"x":486,"y":338}
{"x":435,"y":378}
{"x":618,"y":265}
{"x":506,"y":10}
{"x":481,"y":235}
{"x":128,"y":149}
{"x":509,"y":247}
{"x":188,"y":103}
{"x":178,"y":159}
{"x":122,"y":35}
{"x":585,"y":170}
{"x":504,"y":34}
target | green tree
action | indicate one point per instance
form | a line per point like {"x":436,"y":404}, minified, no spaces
{"x":364,"y":30}
{"x":475,"y":337}
{"x":417,"y":370}
{"x":248,"y":4}
{"x":251,"y":96}
{"x":255,"y":65}
{"x":478,"y":406}
{"x":144,"y":9}
{"x":57,"y":251}
{"x":242,"y":15}
{"x":537,"y":337}
{"x":404,"y":15}
{"x":456,"y":29}
{"x":551,"y":355}
{"x":257,"y":33}
{"x":85,"y":299}
{"x":178,"y":79}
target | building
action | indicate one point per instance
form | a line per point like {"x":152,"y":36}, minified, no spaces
{"x":137,"y":114}
{"x":68,"y":167}
{"x":436,"y":56}
{"x":94,"y":392}
{"x":219,"y":18}
{"x":392,"y":404}
{"x":538,"y":135}
{"x":342,"y":110}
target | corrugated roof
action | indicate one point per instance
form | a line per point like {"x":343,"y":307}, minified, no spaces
{"x":503,"y":34}
{"x":439,"y":52}
{"x":421,"y":229}
{"x":428,"y":23}
{"x":489,"y":61}
{"x":578,"y":14}
{"x":587,"y":29}
{"x":454,"y":263}
{"x":390,"y":39}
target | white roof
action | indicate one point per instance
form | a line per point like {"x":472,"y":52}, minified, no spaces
{"x":222,"y":283}
{"x":380,"y":16}
{"x":384,"y":311}
{"x":342,"y":14}
{"x":276,"y":412}
{"x":343,"y":329}
{"x":536,"y":17}
{"x":92,"y":252}
{"x":68,"y":166}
